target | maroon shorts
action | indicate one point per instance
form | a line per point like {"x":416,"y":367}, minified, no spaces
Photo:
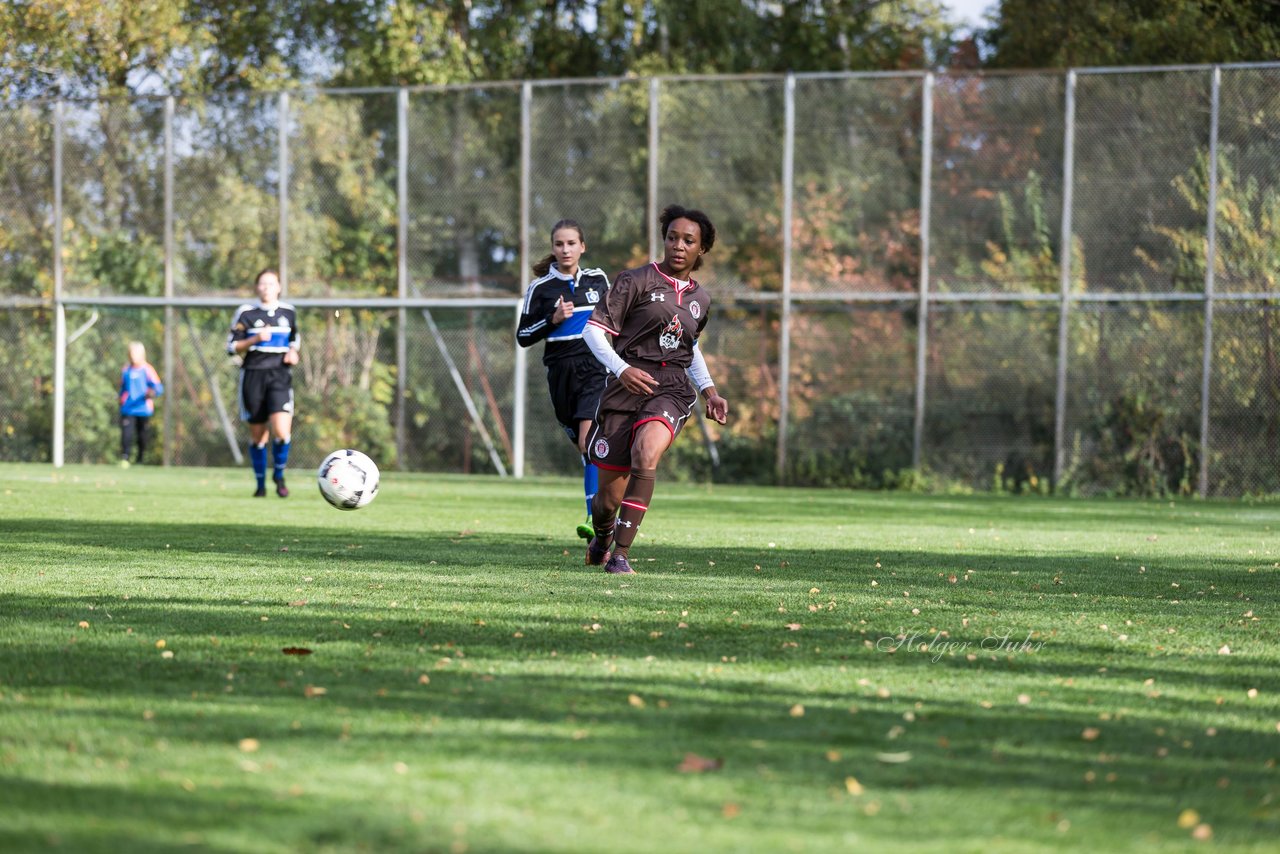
{"x":621,"y":413}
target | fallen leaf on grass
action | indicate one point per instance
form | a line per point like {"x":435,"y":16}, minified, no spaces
{"x":1224,"y":650}
{"x":852,"y":785}
{"x":1203,"y":832}
{"x":894,"y":758}
{"x":730,"y":810}
{"x":1188,"y":819}
{"x":797,"y":711}
{"x":636,"y":700}
{"x":249,"y":745}
{"x":297,"y":603}
{"x":795,"y":627}
{"x":314,"y":691}
{"x":296,"y":650}
{"x":695,"y":764}
{"x":84,"y":624}
{"x":1090,"y":733}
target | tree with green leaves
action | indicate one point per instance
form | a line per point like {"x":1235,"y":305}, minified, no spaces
{"x":1065,"y":33}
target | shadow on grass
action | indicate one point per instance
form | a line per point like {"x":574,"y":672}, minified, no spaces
{"x":527,"y":700}
{"x":88,"y":817}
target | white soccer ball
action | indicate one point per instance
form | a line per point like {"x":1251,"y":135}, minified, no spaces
{"x":348,"y":479}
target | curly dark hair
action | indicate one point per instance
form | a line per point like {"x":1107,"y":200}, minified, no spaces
{"x":671,"y":213}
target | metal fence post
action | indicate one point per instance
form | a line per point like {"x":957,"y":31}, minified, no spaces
{"x":59,"y":312}
{"x":402,"y":266}
{"x":1064,"y":281}
{"x":1210,"y":259}
{"x":922,"y":332}
{"x":283,"y":169}
{"x":655,"y":240}
{"x":520,"y":403}
{"x":167,"y":450}
{"x":784,"y":345}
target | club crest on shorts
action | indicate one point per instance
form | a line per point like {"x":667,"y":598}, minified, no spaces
{"x":601,"y":447}
{"x":695,"y":309}
{"x":669,"y":339}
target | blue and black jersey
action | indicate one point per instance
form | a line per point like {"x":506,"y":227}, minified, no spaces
{"x":281,"y":320}
{"x":585,"y":291}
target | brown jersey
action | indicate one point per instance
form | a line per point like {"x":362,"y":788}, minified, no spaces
{"x":653,"y":317}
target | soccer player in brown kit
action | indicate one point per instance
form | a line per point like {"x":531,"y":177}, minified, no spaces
{"x":654,"y":314}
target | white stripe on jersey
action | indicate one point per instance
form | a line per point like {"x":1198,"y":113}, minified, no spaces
{"x":533,"y":286}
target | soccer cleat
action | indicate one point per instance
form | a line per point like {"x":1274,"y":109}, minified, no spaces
{"x":618,"y":565}
{"x":260,"y":492}
{"x":585,"y":531}
{"x":596,"y":556}
{"x":281,"y":489}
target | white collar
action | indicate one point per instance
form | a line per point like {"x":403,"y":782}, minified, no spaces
{"x":555,"y":271}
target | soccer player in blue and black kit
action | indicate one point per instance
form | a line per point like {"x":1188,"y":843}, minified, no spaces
{"x":556,"y":307}
{"x":266,"y":337}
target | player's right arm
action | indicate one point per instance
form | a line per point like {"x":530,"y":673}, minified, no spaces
{"x":541,"y":313}
{"x":240,"y":340}
{"x":606,"y":324}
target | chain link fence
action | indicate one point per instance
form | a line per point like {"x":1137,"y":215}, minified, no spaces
{"x":1001,"y":281}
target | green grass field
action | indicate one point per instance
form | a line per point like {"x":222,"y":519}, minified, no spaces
{"x":762,"y":684}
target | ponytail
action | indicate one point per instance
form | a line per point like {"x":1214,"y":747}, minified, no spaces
{"x":543,"y":266}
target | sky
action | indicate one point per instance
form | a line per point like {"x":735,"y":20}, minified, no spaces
{"x":969,"y":12}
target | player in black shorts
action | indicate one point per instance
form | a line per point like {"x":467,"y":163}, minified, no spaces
{"x":266,"y":337}
{"x":556,"y":307}
{"x":654,"y":315}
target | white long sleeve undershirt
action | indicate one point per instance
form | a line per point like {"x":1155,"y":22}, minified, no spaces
{"x":698,"y":371}
{"x":598,"y":340}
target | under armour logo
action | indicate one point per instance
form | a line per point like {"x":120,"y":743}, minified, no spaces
{"x":624,"y":524}
{"x":657,"y":297}
{"x":667,"y":415}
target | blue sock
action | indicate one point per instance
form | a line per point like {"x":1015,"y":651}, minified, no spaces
{"x":590,"y":481}
{"x":258,"y":456}
{"x":279,"y":456}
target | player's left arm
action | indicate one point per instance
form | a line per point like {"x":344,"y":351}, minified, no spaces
{"x":295,"y":342}
{"x":155,"y":388}
{"x":717,"y":406}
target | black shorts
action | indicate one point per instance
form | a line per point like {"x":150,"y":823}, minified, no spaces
{"x":263,"y":392}
{"x":575,"y":386}
{"x":621,"y":412}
